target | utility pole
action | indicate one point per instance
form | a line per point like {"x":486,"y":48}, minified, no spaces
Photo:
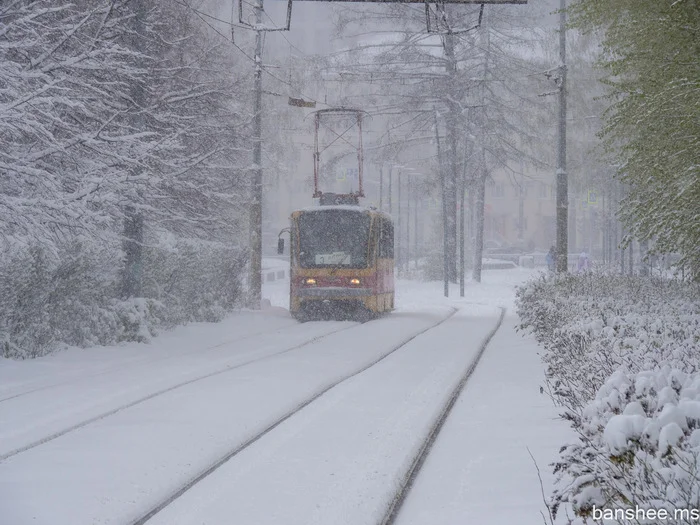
{"x":408,"y":226}
{"x":415,"y":224}
{"x":399,"y":239}
{"x":133,"y":226}
{"x":462,"y":191}
{"x":451,"y":170}
{"x":562,"y":182}
{"x":255,"y":292}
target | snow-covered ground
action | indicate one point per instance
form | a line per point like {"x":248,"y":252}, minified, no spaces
{"x":299,"y":423}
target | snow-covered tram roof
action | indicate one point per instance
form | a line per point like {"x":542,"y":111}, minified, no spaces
{"x":346,"y":207}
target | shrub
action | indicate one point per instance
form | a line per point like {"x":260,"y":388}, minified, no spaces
{"x":622,"y":358}
{"x":70,"y":296}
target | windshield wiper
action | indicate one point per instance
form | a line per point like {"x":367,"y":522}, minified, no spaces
{"x":337,"y":267}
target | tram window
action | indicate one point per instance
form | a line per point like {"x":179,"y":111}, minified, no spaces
{"x":334,"y":238}
{"x":386,"y":240}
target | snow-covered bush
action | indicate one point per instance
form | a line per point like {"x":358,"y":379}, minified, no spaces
{"x":639,"y":446}
{"x":194,"y":280}
{"x":71,"y":296}
{"x":49,"y":297}
{"x":622,"y":358}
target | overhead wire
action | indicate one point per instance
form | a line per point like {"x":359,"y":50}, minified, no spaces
{"x":205,"y":14}
{"x":202,"y":16}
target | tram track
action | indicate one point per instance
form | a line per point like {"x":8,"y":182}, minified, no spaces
{"x":136,"y":364}
{"x":240,"y":447}
{"x":171,"y":388}
{"x":409,"y":477}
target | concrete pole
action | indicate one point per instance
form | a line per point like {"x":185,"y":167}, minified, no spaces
{"x":462,"y":190}
{"x":408,"y":225}
{"x":451,"y":169}
{"x":562,"y":179}
{"x":399,"y":239}
{"x":133,"y":223}
{"x":415,"y":224}
{"x":255,"y":291}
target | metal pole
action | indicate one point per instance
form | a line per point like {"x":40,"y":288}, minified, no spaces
{"x":398,"y":224}
{"x":408,"y":225}
{"x":255,"y":291}
{"x":360,"y":156}
{"x":415,"y":225}
{"x":317,"y":154}
{"x":462,"y":188}
{"x":562,"y":182}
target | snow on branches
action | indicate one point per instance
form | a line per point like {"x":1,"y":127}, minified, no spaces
{"x":109,"y":109}
{"x":623,"y":361}
{"x":95,"y":117}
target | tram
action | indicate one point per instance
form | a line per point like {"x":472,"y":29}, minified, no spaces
{"x":342,"y":262}
{"x":341,"y":254}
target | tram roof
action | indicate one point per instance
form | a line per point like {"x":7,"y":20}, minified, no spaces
{"x":347,"y":207}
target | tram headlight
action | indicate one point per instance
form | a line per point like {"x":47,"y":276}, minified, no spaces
{"x":310,"y":280}
{"x":354,"y":280}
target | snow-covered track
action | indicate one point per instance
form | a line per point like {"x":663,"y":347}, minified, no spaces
{"x":134,"y":364}
{"x":410,"y":475}
{"x":233,"y":452}
{"x":180,"y":384}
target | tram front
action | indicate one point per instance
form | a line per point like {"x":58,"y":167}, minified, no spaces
{"x":333,"y":270}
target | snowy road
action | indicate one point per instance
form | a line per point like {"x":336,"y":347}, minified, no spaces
{"x":272,"y":422}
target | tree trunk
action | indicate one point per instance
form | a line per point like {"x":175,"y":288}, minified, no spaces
{"x":643,"y":257}
{"x":133,"y":250}
{"x":443,"y":188}
{"x":479,"y":210}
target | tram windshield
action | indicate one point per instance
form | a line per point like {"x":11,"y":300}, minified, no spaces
{"x":334,"y":238}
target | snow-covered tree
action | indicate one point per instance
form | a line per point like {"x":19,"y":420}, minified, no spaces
{"x":652,"y":129}
{"x":111,"y":112}
{"x":477,"y":72}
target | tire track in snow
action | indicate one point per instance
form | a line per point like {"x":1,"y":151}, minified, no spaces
{"x":158,"y":393}
{"x":411,"y":474}
{"x":253,"y":439}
